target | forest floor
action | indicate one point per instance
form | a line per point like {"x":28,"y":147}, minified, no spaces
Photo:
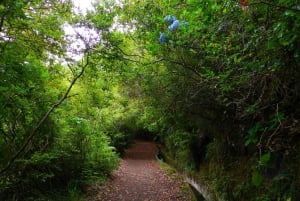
{"x":141,"y":178}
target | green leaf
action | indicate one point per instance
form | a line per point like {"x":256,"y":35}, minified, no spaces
{"x":256,"y":178}
{"x":252,"y":136}
{"x":264,"y":159}
{"x":251,"y":108}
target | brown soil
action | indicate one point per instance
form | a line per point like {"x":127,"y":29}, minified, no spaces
{"x":139,"y":178}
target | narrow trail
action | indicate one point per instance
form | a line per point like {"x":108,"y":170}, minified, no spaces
{"x":139,"y":178}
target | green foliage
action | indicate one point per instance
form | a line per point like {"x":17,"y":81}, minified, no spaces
{"x":230,"y":76}
{"x":265,"y":159}
{"x":178,"y":142}
{"x":253,"y":132}
{"x":66,"y":150}
{"x":256,"y":179}
{"x":234,"y":70}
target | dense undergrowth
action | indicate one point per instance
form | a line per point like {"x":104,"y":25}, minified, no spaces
{"x":220,"y":94}
{"x":53,"y":139}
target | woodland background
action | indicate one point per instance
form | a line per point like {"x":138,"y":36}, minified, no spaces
{"x":220,"y":97}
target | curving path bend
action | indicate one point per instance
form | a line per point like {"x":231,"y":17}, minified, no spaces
{"x":139,"y":178}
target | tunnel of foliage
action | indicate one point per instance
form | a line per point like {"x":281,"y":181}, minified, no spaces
{"x":220,"y":96}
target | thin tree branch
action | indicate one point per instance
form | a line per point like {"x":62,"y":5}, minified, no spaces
{"x":184,"y":66}
{"x":44,"y":118}
{"x":124,"y":53}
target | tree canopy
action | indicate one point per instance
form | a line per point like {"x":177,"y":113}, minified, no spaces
{"x":214,"y":83}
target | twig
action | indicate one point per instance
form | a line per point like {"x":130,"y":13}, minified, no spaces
{"x":43,"y":119}
{"x":184,"y":66}
{"x":278,"y":115}
{"x":259,"y":143}
{"x":273,"y":134}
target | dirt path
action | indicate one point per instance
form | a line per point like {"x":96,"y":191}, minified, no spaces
{"x":139,"y":178}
